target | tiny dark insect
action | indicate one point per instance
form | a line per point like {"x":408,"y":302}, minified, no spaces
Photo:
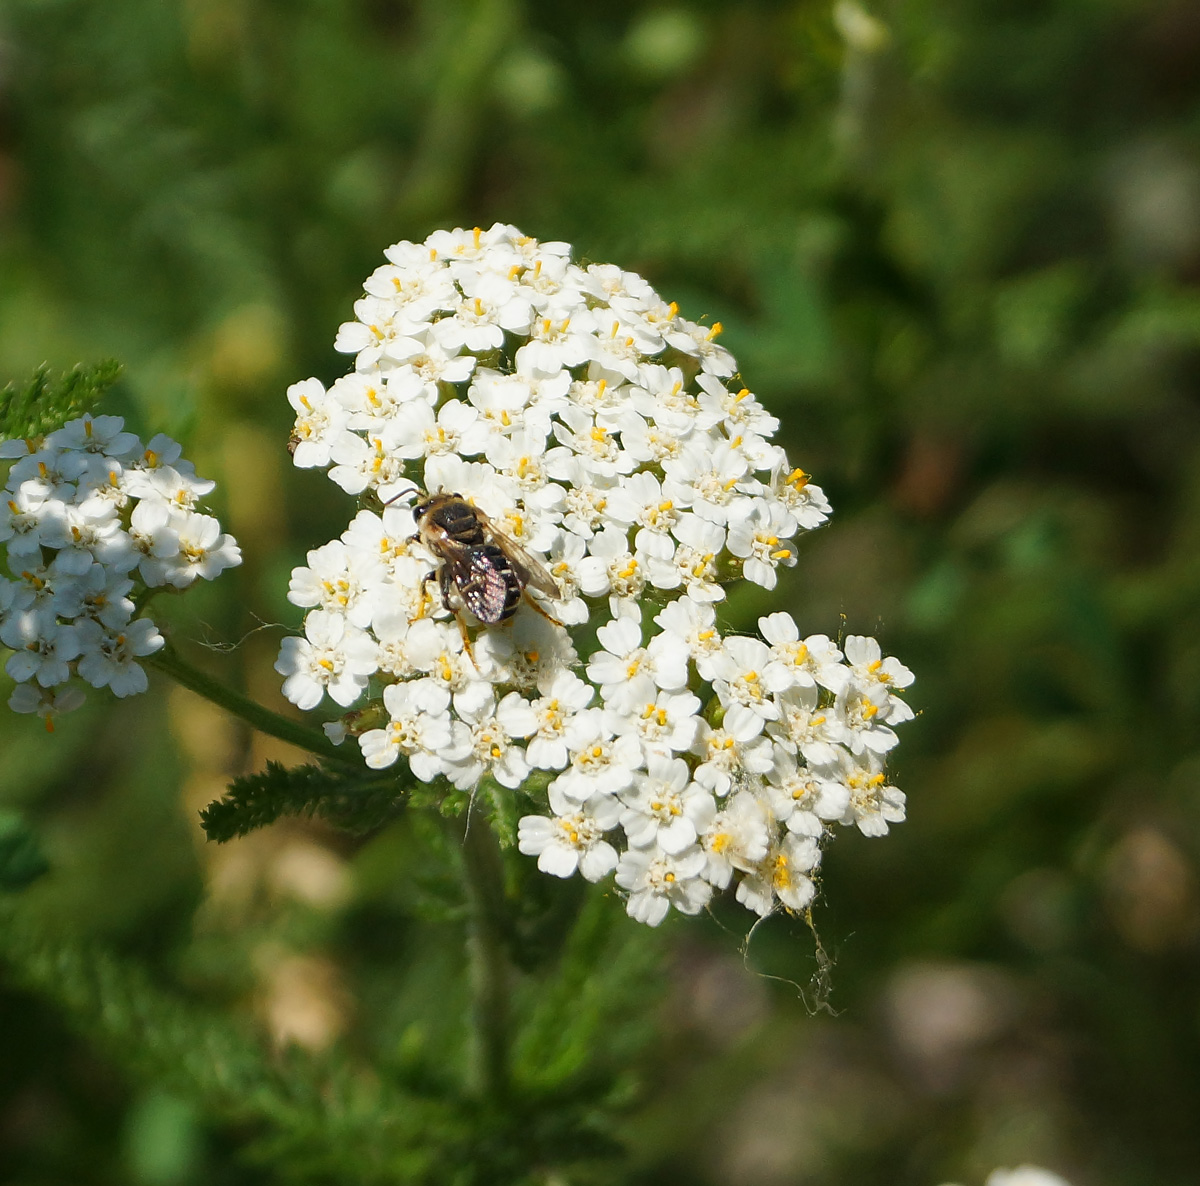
{"x":489,"y":571}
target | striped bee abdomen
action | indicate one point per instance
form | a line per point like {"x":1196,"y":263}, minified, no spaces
{"x":489,"y":587}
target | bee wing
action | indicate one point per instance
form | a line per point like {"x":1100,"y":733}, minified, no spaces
{"x":530,"y":571}
{"x":484,"y":586}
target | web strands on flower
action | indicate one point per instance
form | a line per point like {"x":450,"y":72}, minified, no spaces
{"x":91,"y":519}
{"x":604,"y":434}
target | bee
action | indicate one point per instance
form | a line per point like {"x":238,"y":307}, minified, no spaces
{"x":489,"y":571}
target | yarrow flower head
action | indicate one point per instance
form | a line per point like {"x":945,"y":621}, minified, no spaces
{"x":597,"y":462}
{"x":91,"y":519}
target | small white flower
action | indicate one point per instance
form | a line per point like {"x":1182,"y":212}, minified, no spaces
{"x":736,"y":838}
{"x":588,"y":443}
{"x":665,"y":725}
{"x":388,"y":538}
{"x":43,"y":594}
{"x":873,"y":803}
{"x":333,"y":657}
{"x":656,"y":881}
{"x":865,"y":714}
{"x":390,"y":627}
{"x":629,"y":674}
{"x":727,"y":752}
{"x":621,"y":344}
{"x":865,"y":662}
{"x":760,"y":543}
{"x":48,"y":703}
{"x":368,"y":465}
{"x":90,"y":533}
{"x":436,"y":648}
{"x":40,"y":652}
{"x":805,"y":502}
{"x":802,"y":799}
{"x":321,"y":421}
{"x":591,"y":506}
{"x":106,"y":657}
{"x":175,"y":484}
{"x":418,"y":728}
{"x":563,"y":695}
{"x":371,"y":400}
{"x":746,"y":678}
{"x":95,"y":434}
{"x":695,"y":623}
{"x":611,"y":568}
{"x":28,"y":515}
{"x":422,"y":432}
{"x":696,"y":559}
{"x":599,"y":763}
{"x":714,"y":481}
{"x":807,"y":728}
{"x":203,"y":551}
{"x":524,"y":653}
{"x":105,"y":597}
{"x":572,"y":838}
{"x":738,"y":410}
{"x":700,"y":342}
{"x":492,"y":730}
{"x":783,"y":876}
{"x":815,"y":660}
{"x":154,"y":537}
{"x":49,"y":473}
{"x":665,"y":809}
{"x":558,"y":343}
{"x":340,"y":580}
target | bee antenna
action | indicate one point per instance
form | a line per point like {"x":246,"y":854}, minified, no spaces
{"x":401,"y":494}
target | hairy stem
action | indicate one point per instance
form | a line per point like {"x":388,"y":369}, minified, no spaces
{"x":490,"y":970}
{"x":169,"y":661}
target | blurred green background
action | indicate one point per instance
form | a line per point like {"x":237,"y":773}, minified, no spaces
{"x":955,"y":245}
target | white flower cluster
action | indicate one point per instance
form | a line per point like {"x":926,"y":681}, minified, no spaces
{"x":1024,"y":1175}
{"x":603,"y":437}
{"x":90,"y":519}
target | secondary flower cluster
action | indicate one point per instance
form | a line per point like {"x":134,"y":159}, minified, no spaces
{"x":605,"y":440}
{"x":90,"y":519}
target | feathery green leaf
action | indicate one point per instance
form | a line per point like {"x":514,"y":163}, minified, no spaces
{"x":357,"y":804}
{"x":44,"y":404}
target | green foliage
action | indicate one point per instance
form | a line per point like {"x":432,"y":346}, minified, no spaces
{"x":190,"y":1051}
{"x":22,"y":861}
{"x":358,"y":803}
{"x":960,"y":262}
{"x":42,"y":404}
{"x":315,"y":1120}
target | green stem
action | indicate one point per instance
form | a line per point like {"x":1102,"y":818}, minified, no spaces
{"x":483,"y":33}
{"x":169,"y":661}
{"x":489,"y":965}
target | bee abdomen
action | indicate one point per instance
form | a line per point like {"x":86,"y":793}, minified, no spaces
{"x":491,"y":590}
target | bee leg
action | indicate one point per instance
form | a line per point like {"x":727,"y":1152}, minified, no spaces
{"x":431,"y":576}
{"x":443,"y":579}
{"x":462,"y":629}
{"x":530,"y":601}
{"x":446,"y":586}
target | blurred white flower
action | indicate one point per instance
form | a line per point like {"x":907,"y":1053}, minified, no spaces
{"x":1025,"y":1175}
{"x":90,"y":519}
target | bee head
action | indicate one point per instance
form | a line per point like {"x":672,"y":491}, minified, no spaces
{"x":431,"y":502}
